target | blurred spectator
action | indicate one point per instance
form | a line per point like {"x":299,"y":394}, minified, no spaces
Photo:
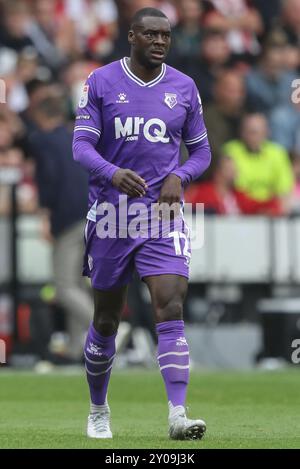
{"x":63,"y":193}
{"x":74,"y":78}
{"x":96,"y":22}
{"x":26,"y":70}
{"x":269,"y":11}
{"x":16,"y":96}
{"x":37,"y":91}
{"x":186,"y":35}
{"x":291,"y":54}
{"x":170,"y":9}
{"x":264,"y":171}
{"x":218,"y":195}
{"x":240,"y":21}
{"x":53,"y":34}
{"x":295,"y":205}
{"x":14,"y":123}
{"x":27,"y":65}
{"x":285,"y":126}
{"x":12,"y":157}
{"x":166,"y":6}
{"x":213,"y":55}
{"x":288,"y":24}
{"x":269,"y":83}
{"x":291,"y":21}
{"x":17,"y":70}
{"x":223,"y":115}
{"x":6,"y":134}
{"x":15,"y":20}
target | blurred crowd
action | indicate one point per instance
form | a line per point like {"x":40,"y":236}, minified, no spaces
{"x":243,"y":55}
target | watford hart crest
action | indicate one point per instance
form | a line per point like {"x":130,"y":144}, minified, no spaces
{"x":170,"y":100}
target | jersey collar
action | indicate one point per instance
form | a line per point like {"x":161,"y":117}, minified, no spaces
{"x":137,"y":80}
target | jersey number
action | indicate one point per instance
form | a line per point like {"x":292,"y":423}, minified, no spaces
{"x":177,"y":235}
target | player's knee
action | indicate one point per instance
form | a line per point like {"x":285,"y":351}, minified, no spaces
{"x":106,"y":327}
{"x":171,"y":311}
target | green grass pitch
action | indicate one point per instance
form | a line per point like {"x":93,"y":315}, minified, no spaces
{"x":242,"y":410}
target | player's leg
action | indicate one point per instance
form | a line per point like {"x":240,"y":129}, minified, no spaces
{"x":99,"y":354}
{"x":109,"y":264}
{"x":168,"y":293}
{"x":100,"y":343}
{"x":163,"y":264}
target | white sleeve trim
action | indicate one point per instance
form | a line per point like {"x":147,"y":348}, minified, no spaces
{"x":196,"y":139}
{"x":88,"y":129}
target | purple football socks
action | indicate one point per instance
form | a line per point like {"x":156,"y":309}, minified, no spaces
{"x":173,"y":359}
{"x":99,"y":353}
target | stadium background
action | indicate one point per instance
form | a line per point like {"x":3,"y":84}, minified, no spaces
{"x":243,"y":306}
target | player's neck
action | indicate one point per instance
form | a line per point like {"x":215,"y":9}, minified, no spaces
{"x":142,"y":72}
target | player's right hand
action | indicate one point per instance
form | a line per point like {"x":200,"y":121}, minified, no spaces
{"x":129,"y":182}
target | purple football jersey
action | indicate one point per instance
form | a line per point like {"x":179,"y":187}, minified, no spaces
{"x":124,"y":122}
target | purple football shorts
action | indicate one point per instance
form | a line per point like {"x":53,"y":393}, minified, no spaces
{"x":110,"y":262}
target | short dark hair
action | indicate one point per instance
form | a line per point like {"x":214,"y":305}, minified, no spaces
{"x":143,"y":12}
{"x":212,"y":33}
{"x":52,"y":106}
{"x":34,"y":84}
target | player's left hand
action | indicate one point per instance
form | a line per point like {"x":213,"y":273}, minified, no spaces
{"x":170,"y":192}
{"x":170,"y":195}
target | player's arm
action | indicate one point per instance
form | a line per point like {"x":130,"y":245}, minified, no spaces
{"x":87,"y":132}
{"x":194,"y":135}
{"x":195,"y":138}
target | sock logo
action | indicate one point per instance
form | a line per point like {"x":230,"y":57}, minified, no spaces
{"x":181,"y":341}
{"x":94,"y":349}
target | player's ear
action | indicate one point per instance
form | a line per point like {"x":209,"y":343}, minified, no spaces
{"x":131,"y":37}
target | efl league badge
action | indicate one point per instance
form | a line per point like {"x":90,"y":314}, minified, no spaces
{"x":171,"y":100}
{"x":84,"y":97}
